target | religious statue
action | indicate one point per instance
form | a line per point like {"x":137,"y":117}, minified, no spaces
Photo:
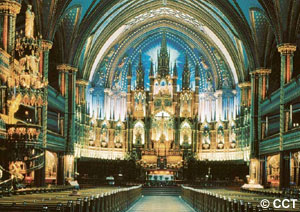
{"x":11,"y":82}
{"x":140,"y":105}
{"x":185,"y":140}
{"x":225,"y":83}
{"x":138,"y":138}
{"x":29,"y":22}
{"x":33,"y":64}
{"x":118,"y":143}
{"x":220,"y":138}
{"x":25,"y":80}
{"x":233,"y":138}
{"x":13,"y":107}
{"x":206,"y":139}
{"x":104,"y":136}
{"x":30,"y":63}
{"x":209,"y":85}
{"x":92,"y":137}
{"x":16,"y":175}
{"x":162,"y":138}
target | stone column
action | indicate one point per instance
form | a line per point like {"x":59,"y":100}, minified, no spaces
{"x":72,"y":110}
{"x":263,"y":168}
{"x":60,"y":169}
{"x":67,"y":85}
{"x":255,"y":122}
{"x":44,"y":57}
{"x":286,"y":51}
{"x":8,"y":12}
{"x":284,"y":175}
{"x":258,"y":87}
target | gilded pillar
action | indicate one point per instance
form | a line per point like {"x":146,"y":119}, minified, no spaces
{"x":80,"y":94}
{"x":46,"y":46}
{"x":8,"y":12}
{"x":63,"y":82}
{"x":245,"y":87}
{"x":262,"y":91}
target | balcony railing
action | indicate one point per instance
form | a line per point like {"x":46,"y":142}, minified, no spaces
{"x":23,"y":133}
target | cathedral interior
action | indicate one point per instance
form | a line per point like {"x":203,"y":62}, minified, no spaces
{"x":158,"y":93}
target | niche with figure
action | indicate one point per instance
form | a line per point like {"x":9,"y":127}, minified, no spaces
{"x":185,"y":134}
{"x":220,"y":137}
{"x":104,"y":134}
{"x":138,"y":134}
{"x":206,"y":138}
{"x":118,"y":139}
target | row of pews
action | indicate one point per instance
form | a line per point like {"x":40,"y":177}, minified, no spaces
{"x":290,"y":193}
{"x":88,"y":200}
{"x":5,"y":192}
{"x":224,"y":200}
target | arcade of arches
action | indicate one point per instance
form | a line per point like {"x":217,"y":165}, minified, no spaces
{"x":151,"y":91}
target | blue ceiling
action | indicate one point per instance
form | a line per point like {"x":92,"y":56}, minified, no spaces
{"x":148,"y":45}
{"x":175,"y":43}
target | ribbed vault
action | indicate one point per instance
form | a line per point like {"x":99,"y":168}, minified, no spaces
{"x":203,"y":36}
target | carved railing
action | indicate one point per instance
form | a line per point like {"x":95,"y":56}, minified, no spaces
{"x":23,"y":133}
{"x":98,"y":152}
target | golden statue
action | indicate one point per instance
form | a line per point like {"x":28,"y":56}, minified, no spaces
{"x":13,"y":107}
{"x":140,"y":106}
{"x":29,"y":22}
{"x":33,"y":64}
{"x":138,"y":138}
{"x":15,"y":171}
{"x":30,"y":63}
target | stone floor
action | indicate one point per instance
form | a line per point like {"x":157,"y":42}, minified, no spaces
{"x":160,"y":204}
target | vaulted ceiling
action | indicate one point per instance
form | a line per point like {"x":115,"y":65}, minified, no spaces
{"x":227,"y":38}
